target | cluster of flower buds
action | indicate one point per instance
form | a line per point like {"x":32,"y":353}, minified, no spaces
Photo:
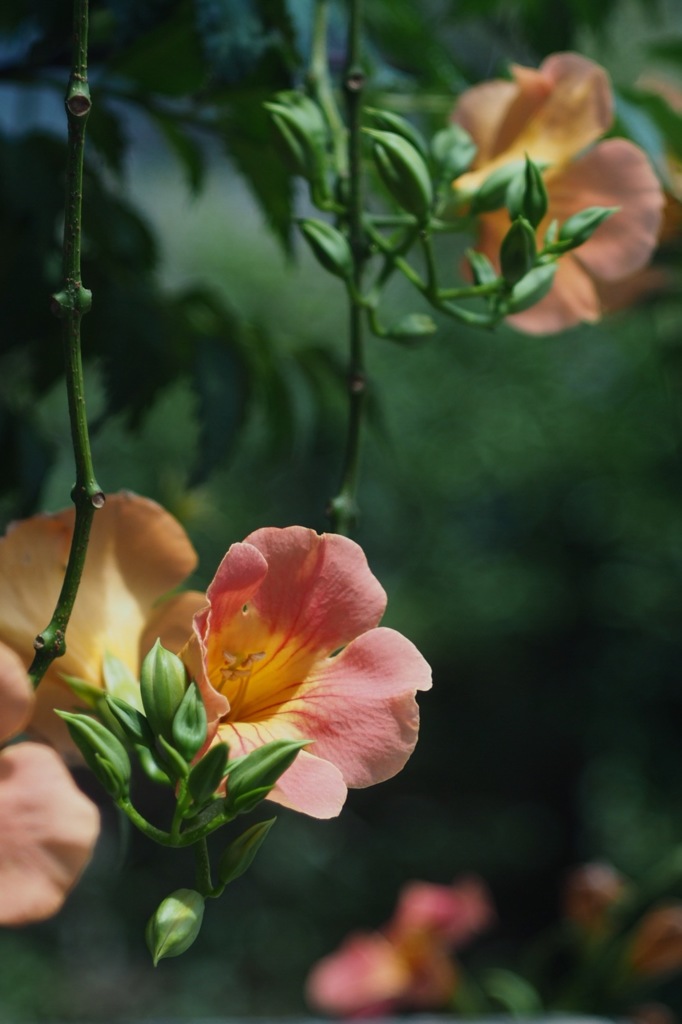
{"x":164,"y":724}
{"x":417,"y":178}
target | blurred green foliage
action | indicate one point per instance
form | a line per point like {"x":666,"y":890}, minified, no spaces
{"x":521,"y":497}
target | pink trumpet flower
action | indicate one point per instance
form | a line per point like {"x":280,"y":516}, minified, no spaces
{"x":556,"y":114}
{"x":408,"y":964}
{"x":289,"y":648}
{"x":48,"y":828}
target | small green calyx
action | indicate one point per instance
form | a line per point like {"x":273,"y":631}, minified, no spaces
{"x":240,"y":854}
{"x":403,"y":172}
{"x":190,"y":725}
{"x":493,"y":192}
{"x":104,"y":754}
{"x":580,"y":227}
{"x":207,"y":774}
{"x":329,"y":246}
{"x":163,"y":683}
{"x":518,"y":251}
{"x":253,"y":776}
{"x":453,"y":151}
{"x":175,"y":924}
{"x":527,"y":195}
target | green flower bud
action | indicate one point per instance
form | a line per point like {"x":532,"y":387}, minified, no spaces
{"x":453,"y":151}
{"x":301,"y":134}
{"x":152,"y":767}
{"x":329,"y":246}
{"x":581,"y":226}
{"x":163,"y":682}
{"x":492,"y":193}
{"x":531,"y":288}
{"x":103,"y":752}
{"x":132,"y":722}
{"x":518,"y":251}
{"x":208,"y":773}
{"x":482,"y":270}
{"x":403,"y":172}
{"x":175,"y":924}
{"x":252,"y":777}
{"x":190,"y":725}
{"x":172,"y":760}
{"x":386,"y":121}
{"x":527,"y":195}
{"x":239,"y":855}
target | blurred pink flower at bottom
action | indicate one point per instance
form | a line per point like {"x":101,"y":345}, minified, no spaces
{"x":407,"y":964}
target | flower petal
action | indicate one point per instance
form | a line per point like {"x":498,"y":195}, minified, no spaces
{"x":48,"y":832}
{"x":319,"y":592}
{"x":614,"y":173}
{"x":16,"y":694}
{"x":359,"y":707}
{"x":137,"y":552}
{"x":455,"y":913}
{"x":551,"y":114}
{"x":365,"y":976}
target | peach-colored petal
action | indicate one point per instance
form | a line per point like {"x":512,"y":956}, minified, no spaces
{"x":480,"y":111}
{"x":614,"y":173}
{"x":455,"y":913}
{"x":572,"y":300}
{"x":359,"y":706}
{"x":137,"y":552}
{"x":365,"y":976}
{"x":171,"y":621}
{"x":553,"y":114}
{"x":16,"y":694}
{"x":47,"y":832}
{"x":319,"y":590}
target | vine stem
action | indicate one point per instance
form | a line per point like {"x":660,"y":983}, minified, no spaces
{"x":70,"y":304}
{"x":343,"y":507}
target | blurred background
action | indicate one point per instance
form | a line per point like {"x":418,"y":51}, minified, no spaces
{"x":521,"y":497}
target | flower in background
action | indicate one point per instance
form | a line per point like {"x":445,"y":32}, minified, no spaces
{"x":48,"y":828}
{"x":590,"y":892}
{"x":656,"y":947}
{"x":408,"y":964}
{"x":288,"y":648}
{"x":555,"y":115}
{"x":137,"y":553}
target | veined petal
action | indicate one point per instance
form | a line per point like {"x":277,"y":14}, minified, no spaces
{"x":16,"y":694}
{"x":614,"y":173}
{"x":311,"y":785}
{"x":48,"y":832}
{"x":319,"y":592}
{"x":360,"y":709}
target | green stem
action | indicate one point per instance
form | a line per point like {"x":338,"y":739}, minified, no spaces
{"x":70,"y":304}
{"x":321,"y":87}
{"x":343,"y":507}
{"x":202,"y":866}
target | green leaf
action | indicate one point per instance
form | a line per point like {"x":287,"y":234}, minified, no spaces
{"x":187,"y":150}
